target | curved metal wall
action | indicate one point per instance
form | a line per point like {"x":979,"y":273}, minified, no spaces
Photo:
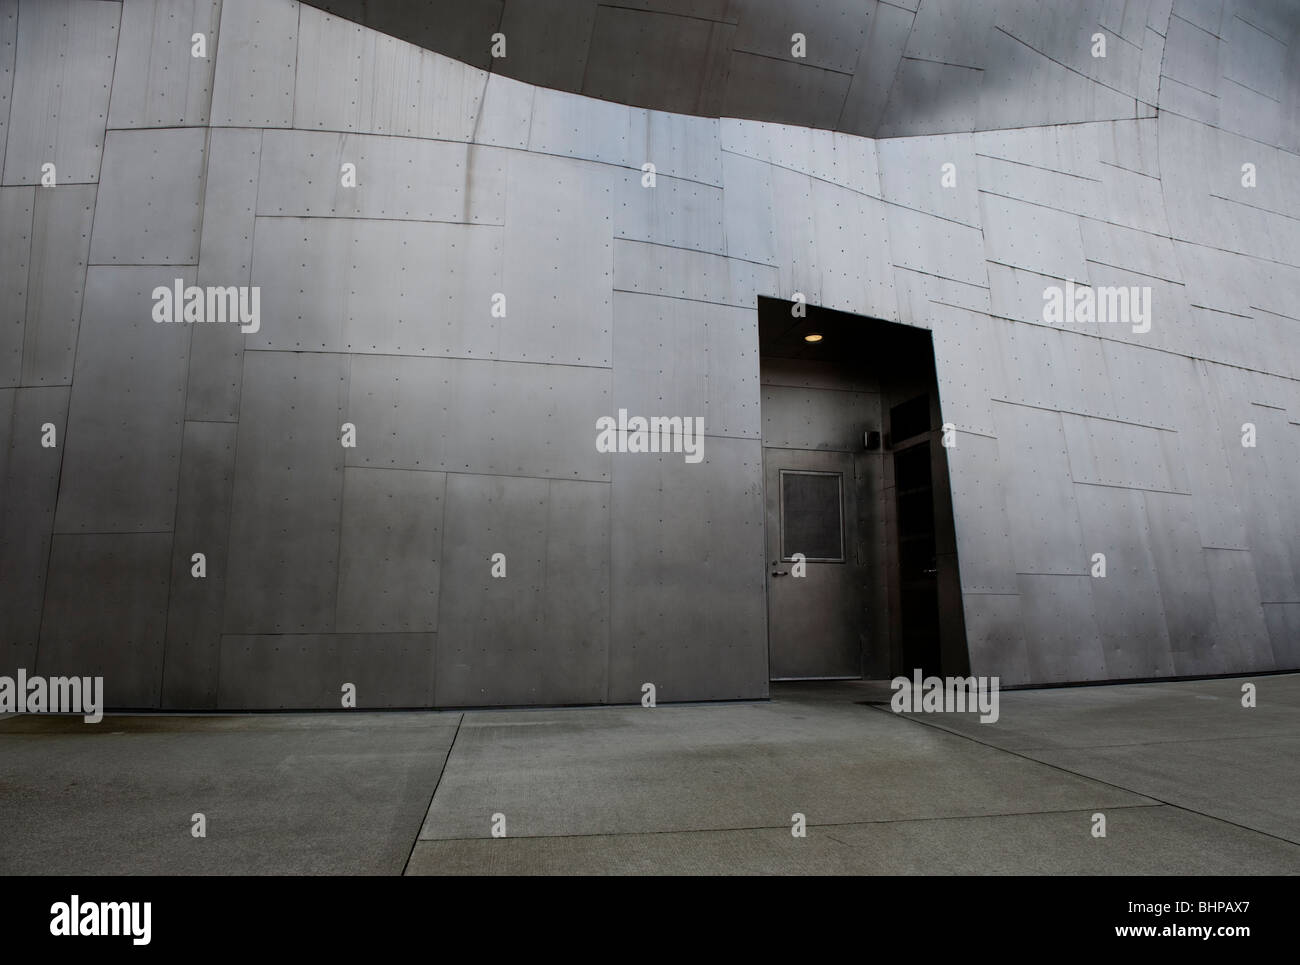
{"x":475,"y":431}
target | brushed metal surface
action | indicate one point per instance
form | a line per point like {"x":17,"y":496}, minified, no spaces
{"x":123,"y":574}
{"x":64,"y":55}
{"x":194,"y":604}
{"x":150,"y":204}
{"x":284,"y":528}
{"x":30,"y":477}
{"x":308,"y":671}
{"x":56,"y":280}
{"x":476,"y":416}
{"x":253,"y":83}
{"x":540,"y":634}
{"x":157,"y":82}
{"x":389,"y":550}
{"x":8,"y":35}
{"x":1063,"y":641}
{"x":129,"y":387}
{"x":17,"y":205}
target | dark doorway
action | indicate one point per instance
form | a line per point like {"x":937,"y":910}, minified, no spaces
{"x":862,"y":565}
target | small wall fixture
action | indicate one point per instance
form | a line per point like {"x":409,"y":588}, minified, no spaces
{"x":812,"y":337}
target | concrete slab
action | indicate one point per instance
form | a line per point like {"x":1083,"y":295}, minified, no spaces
{"x":1139,"y":841}
{"x":282,"y":794}
{"x":724,"y":766}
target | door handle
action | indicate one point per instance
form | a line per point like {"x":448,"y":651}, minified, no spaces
{"x":780,"y":572}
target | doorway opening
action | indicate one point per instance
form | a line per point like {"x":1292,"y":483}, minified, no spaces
{"x":863,"y":578}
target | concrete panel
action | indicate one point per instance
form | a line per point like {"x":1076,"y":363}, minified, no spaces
{"x":558,"y":269}
{"x":105,"y":614}
{"x":540,"y":634}
{"x":55,"y":282}
{"x":256,"y":63}
{"x":1045,"y":530}
{"x":681,"y":63}
{"x":157,"y":81}
{"x":388,"y":287}
{"x":468,"y":415}
{"x":150,"y":203}
{"x":30,"y":481}
{"x":1127,"y":603}
{"x":16,"y":207}
{"x":225,"y":259}
{"x":660,"y":270}
{"x":349,"y":78}
{"x":63,"y":67}
{"x":308,"y":671}
{"x":127,"y":408}
{"x":1063,"y":641}
{"x":389,"y":551}
{"x":194,"y":604}
{"x":284,"y":531}
{"x":687,"y":576}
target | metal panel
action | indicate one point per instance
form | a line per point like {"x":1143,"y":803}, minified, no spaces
{"x":105,"y":614}
{"x":55,"y":282}
{"x":796,"y":252}
{"x":684,"y":214}
{"x":284,"y":532}
{"x":16,"y":207}
{"x":8,"y":36}
{"x":881,"y":53}
{"x":150,"y":204}
{"x":1062,"y":32}
{"x":1192,"y":56}
{"x":225,"y":259}
{"x":920,"y":294}
{"x":659,"y":270}
{"x":506,"y":113}
{"x":389,"y":551}
{"x":396,"y":178}
{"x":1027,"y":182}
{"x":1032,"y":237}
{"x":157,"y":81}
{"x":852,"y":246}
{"x":912,"y":175}
{"x":794,"y":418}
{"x":979,"y":507}
{"x":996,"y":637}
{"x":574,"y":126}
{"x":783,"y":91}
{"x":29,"y":475}
{"x":748,"y":218}
{"x":558,"y":268}
{"x":969,"y":373}
{"x":540,"y":634}
{"x":931,"y":96}
{"x":350,"y":78}
{"x":686,"y":575}
{"x":1104,"y":452}
{"x":307,"y":671}
{"x":1283,"y":621}
{"x":936,"y":246}
{"x":63,"y":67}
{"x":1068,"y":149}
{"x":1056,"y":369}
{"x":1063,"y":640}
{"x":1184,"y":584}
{"x":680,"y":62}
{"x":128,"y":403}
{"x":1129,"y":611}
{"x":551,"y":40}
{"x":194,"y":604}
{"x":684,"y":147}
{"x":388,"y":287}
{"x":1045,"y":532}
{"x":457,"y":29}
{"x":256,"y":62}
{"x":678,"y":357}
{"x":1240,"y":631}
{"x":835,"y":31}
{"x":470,"y":415}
